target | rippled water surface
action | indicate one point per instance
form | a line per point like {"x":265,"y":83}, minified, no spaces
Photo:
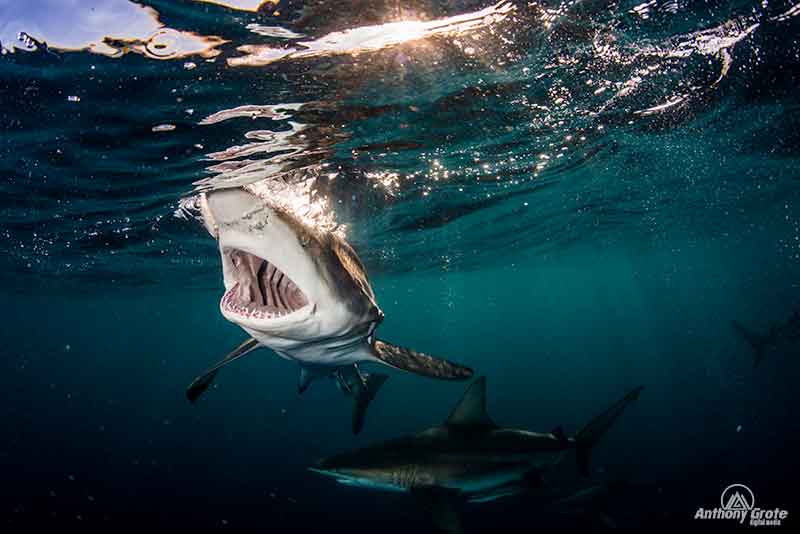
{"x":456,"y":131}
{"x":572,"y":197}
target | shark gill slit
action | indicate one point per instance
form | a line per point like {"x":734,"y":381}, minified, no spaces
{"x":403,"y":476}
{"x":411,"y":474}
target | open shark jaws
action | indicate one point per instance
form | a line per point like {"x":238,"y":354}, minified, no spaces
{"x":469,"y":458}
{"x":305,"y":295}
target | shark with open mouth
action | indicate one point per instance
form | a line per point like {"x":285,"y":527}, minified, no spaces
{"x":304,"y":294}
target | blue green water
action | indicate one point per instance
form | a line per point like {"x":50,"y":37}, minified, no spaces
{"x":572,"y":198}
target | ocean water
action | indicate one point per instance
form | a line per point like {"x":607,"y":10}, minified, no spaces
{"x":572,"y":198}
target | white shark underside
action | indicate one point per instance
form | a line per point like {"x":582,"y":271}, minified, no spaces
{"x":305,"y":295}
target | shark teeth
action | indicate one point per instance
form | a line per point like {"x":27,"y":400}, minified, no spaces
{"x":261,"y":290}
{"x":250,"y":310}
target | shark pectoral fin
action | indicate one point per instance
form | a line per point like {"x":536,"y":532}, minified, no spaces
{"x":417,"y":362}
{"x":470,"y":412}
{"x":597,"y":427}
{"x":558,"y":432}
{"x":202,"y":382}
{"x":363,"y":396}
{"x":200,"y":385}
{"x":606,"y":521}
{"x":441,"y":505}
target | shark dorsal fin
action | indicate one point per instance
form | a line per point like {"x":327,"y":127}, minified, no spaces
{"x":470,"y":412}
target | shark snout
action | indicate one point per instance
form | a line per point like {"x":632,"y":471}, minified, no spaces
{"x":207,"y":216}
{"x":331,"y":467}
{"x":320,"y":468}
{"x":322,"y":465}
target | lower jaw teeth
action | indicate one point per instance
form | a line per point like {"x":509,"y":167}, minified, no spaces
{"x":251,"y":312}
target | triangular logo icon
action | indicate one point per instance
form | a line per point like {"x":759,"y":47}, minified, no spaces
{"x":737,"y":502}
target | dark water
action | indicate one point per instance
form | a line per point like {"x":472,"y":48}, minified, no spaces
{"x":573,"y":198}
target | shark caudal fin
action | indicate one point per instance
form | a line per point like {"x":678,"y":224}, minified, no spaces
{"x":757,"y":342}
{"x":597,"y":427}
{"x":202,"y":382}
{"x":419,"y":363}
{"x":363,"y":395}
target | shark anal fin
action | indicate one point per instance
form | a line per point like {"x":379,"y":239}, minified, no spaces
{"x":470,"y":412}
{"x":202,"y":382}
{"x":419,"y":363}
{"x":441,"y":505}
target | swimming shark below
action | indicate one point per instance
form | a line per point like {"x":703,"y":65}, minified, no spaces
{"x":781,"y":337}
{"x":469,"y":458}
{"x":304,"y":294}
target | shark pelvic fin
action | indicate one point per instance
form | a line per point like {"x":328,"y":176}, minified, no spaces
{"x":470,"y":412}
{"x":597,"y":427}
{"x":202,"y":382}
{"x":417,"y":362}
{"x":363,"y":395}
{"x":441,"y":505}
{"x":305,"y":378}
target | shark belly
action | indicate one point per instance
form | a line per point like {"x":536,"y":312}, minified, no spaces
{"x":495,"y":477}
{"x":469,"y":473}
{"x":322,"y":352}
{"x":488,"y":481}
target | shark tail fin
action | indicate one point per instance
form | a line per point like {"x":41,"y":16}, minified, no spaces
{"x":419,"y":363}
{"x":597,"y":427}
{"x":363,"y":396}
{"x":757,"y":342}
